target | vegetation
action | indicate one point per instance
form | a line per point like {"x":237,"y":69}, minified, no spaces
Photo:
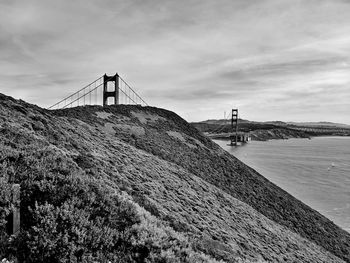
{"x":5,"y":205}
{"x":133,"y":184}
{"x":68,"y":216}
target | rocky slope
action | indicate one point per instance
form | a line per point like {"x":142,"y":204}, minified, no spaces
{"x":133,"y":184}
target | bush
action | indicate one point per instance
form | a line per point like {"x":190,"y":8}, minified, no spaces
{"x":5,"y":208}
{"x":5,"y":205}
{"x":69,"y":216}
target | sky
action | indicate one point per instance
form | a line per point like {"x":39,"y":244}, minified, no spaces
{"x":272,"y":59}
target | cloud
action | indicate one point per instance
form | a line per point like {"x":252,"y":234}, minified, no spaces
{"x":183,"y":54}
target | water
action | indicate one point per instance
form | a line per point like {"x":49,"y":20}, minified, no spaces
{"x":316,"y":171}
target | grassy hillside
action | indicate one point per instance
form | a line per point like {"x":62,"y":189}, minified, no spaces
{"x":133,"y":184}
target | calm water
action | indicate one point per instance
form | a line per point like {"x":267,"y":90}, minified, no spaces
{"x":316,"y":171}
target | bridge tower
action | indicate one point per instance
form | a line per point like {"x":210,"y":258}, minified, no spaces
{"x":110,"y":93}
{"x":234,"y":127}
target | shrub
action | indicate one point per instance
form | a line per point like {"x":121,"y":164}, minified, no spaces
{"x":70,"y":216}
{"x":5,"y":206}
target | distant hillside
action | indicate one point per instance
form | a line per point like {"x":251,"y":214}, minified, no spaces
{"x":140,"y":184}
{"x":320,"y":124}
{"x":262,"y":131}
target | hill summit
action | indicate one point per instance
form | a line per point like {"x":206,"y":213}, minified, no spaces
{"x":139,"y":184}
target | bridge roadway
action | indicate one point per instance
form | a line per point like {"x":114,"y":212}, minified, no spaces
{"x":241,"y":136}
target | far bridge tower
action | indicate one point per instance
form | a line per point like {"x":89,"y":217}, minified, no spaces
{"x":234,"y":127}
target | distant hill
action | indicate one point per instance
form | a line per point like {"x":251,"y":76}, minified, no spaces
{"x":281,"y":123}
{"x":222,"y":121}
{"x":139,"y":184}
{"x":320,"y":124}
{"x":274,"y":129}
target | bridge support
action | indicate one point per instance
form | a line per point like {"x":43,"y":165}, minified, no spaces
{"x":113,"y":93}
{"x":234,"y":126}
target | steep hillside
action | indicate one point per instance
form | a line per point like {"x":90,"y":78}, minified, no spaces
{"x":133,"y":184}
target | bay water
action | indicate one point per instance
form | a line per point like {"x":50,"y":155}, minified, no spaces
{"x":315,"y":171}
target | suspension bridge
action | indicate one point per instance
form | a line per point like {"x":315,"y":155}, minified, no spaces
{"x":231,"y":132}
{"x":106,"y":90}
{"x":114,"y":90}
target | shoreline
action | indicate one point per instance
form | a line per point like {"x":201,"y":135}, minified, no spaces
{"x":255,"y":137}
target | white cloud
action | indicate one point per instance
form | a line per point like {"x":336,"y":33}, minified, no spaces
{"x":184,"y":55}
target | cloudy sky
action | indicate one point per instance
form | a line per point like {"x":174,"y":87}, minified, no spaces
{"x":273,"y":59}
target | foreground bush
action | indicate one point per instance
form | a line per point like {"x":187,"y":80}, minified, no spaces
{"x":69,"y":216}
{"x":5,"y":198}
